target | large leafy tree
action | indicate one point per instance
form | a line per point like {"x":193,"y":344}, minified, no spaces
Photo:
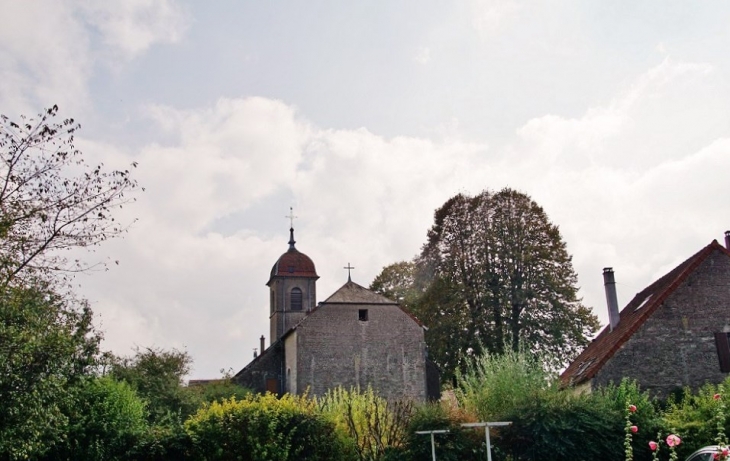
{"x":47,"y":346}
{"x":495,"y":275}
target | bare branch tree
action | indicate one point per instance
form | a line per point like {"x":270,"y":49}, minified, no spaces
{"x":50,"y":199}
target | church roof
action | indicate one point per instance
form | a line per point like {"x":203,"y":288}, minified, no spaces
{"x":293,"y":263}
{"x":352,"y":293}
{"x":632,"y":317}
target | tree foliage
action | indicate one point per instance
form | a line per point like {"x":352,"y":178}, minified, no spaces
{"x":265,"y":428}
{"x":494,"y":275}
{"x":374,"y":424}
{"x":157,"y":375}
{"x":50,"y":199}
{"x":106,"y":422}
{"x":47,"y":346}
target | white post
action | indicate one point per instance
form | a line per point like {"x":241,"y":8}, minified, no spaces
{"x":433,"y":442}
{"x":486,"y":427}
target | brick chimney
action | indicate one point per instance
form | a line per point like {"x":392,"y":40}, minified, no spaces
{"x":609,"y":283}
{"x":727,"y":239}
{"x":263,"y":343}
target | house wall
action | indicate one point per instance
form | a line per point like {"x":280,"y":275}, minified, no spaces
{"x":290,"y":363}
{"x":265,"y":366}
{"x":675,"y":347}
{"x":386,"y":352}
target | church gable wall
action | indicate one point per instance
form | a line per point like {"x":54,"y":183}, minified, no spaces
{"x":675,"y":347}
{"x":386,"y":351}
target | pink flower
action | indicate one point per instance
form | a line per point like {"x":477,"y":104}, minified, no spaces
{"x":632,"y":408}
{"x":725,"y":451}
{"x":653,"y":445}
{"x":634,"y":429}
{"x":673,"y":440}
{"x":716,"y":396}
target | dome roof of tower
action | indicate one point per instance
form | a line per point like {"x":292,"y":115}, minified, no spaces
{"x":294,"y":264}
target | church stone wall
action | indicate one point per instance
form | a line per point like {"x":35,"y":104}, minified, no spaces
{"x":282,"y":318}
{"x":675,"y":347}
{"x":290,"y":363}
{"x":387,"y":351}
{"x":265,"y":367}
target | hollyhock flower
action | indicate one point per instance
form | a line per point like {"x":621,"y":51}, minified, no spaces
{"x":653,"y":445}
{"x":632,"y":408}
{"x":725,"y":451}
{"x":634,"y":429}
{"x":673,"y":440}
{"x":716,"y":396}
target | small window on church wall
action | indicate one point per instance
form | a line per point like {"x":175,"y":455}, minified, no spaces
{"x":295,"y":303}
{"x":363,"y":315}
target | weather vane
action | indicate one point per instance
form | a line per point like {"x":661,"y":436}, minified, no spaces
{"x":349,"y":268}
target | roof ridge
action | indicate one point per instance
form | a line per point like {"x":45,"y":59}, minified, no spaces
{"x":659,"y":291}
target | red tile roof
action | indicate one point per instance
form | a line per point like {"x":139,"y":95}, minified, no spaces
{"x":598,"y":352}
{"x":293,"y":264}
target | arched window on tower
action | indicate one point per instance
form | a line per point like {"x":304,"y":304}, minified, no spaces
{"x":295,"y":301}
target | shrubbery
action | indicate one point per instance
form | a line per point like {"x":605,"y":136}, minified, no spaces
{"x":265,"y":428}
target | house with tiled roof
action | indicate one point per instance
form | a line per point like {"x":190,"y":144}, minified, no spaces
{"x":353,"y":339}
{"x":672,"y":334}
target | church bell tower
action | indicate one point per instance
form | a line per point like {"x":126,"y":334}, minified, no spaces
{"x":292,"y":289}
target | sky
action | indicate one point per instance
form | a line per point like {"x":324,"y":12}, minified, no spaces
{"x":365,"y":117}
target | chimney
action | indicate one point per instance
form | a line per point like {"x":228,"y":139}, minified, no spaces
{"x":263,"y":343}
{"x":609,"y":284}
{"x":727,"y":239}
{"x":254,"y":353}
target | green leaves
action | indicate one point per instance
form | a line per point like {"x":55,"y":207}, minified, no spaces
{"x":47,"y":345}
{"x":264,"y":428}
{"x":494,"y":275}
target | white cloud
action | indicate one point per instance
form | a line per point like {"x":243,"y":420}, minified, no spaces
{"x":491,"y":16}
{"x":48,"y":54}
{"x":133,"y":26}
{"x":423,"y":55}
{"x":43,"y":57}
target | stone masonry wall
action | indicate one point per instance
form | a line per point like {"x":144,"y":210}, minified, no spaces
{"x":675,"y":347}
{"x":386,"y":352}
{"x":266,"y":366}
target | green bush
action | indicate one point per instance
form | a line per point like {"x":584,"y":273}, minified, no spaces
{"x":106,"y":421}
{"x":264,"y":428}
{"x":694,"y":417}
{"x":559,"y":425}
{"x":493,"y":385}
{"x":647,"y":418}
{"x":459,"y":443}
{"x":373,"y":424}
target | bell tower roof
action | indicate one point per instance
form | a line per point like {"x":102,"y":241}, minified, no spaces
{"x":293,"y":263}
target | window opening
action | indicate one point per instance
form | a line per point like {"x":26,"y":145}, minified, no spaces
{"x":296,"y":299}
{"x":363,"y":315}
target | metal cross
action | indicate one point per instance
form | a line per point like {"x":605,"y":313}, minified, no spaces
{"x":348,"y":267}
{"x":291,"y":217}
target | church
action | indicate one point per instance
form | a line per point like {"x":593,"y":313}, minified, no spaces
{"x":355,"y":338}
